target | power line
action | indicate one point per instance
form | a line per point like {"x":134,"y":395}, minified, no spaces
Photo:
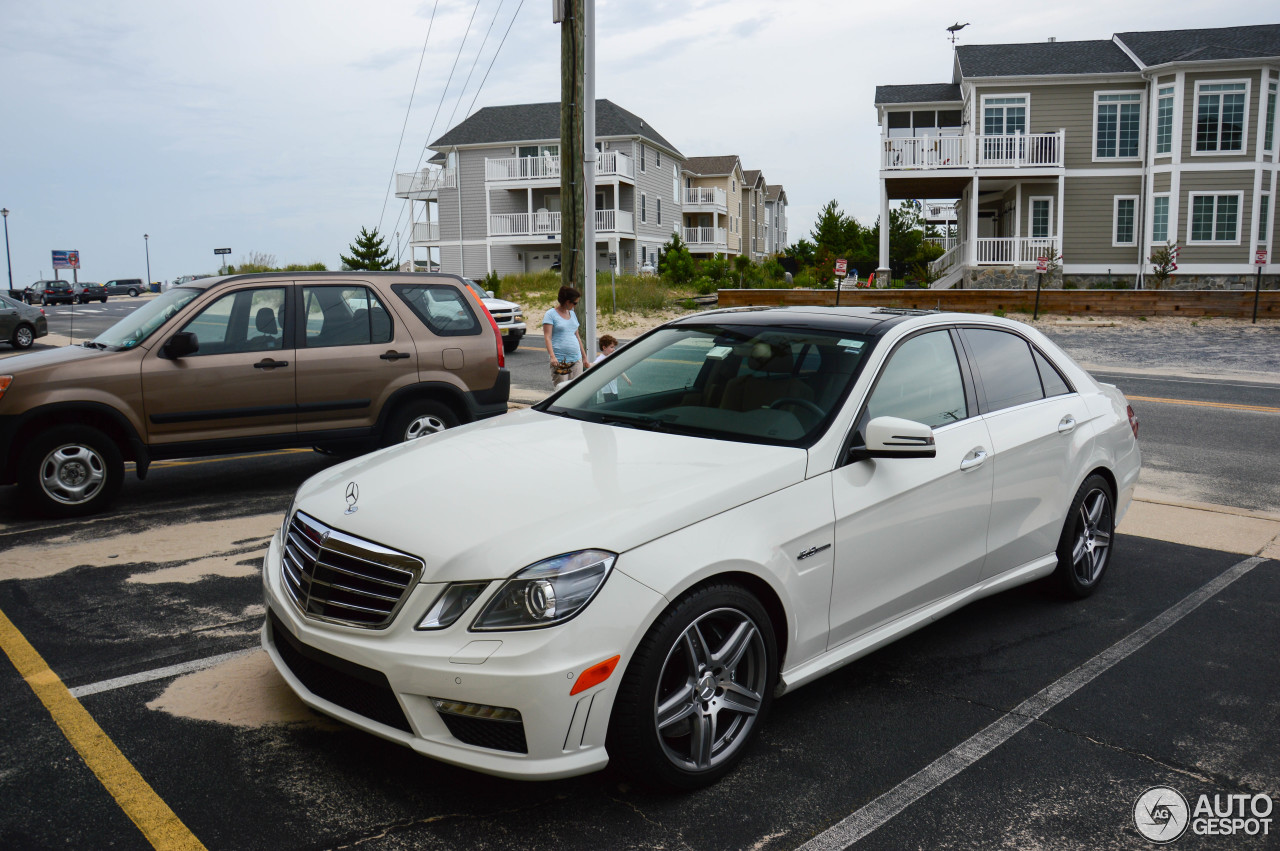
{"x":416,"y":76}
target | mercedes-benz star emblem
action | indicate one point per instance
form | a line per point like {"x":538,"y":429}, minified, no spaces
{"x":353,"y":494}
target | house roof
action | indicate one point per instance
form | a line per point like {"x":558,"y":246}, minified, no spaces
{"x":774,"y":193}
{"x":1043,"y":58}
{"x":531,"y":121}
{"x":708,"y":166}
{"x":923,"y":93}
{"x":1158,"y":48}
{"x":753,"y":176}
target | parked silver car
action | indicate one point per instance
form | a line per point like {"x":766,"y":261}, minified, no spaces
{"x":21,"y":324}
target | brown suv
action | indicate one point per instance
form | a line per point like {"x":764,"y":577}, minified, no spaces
{"x":345,"y":361}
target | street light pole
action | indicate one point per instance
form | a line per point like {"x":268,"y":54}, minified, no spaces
{"x":146,"y":241}
{"x":7,"y":261}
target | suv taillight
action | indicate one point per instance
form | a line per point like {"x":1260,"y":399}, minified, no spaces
{"x":1133,"y":420}
{"x":497,"y":334}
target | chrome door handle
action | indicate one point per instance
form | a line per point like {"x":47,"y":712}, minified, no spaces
{"x":974,"y":459}
{"x":1067,"y":424}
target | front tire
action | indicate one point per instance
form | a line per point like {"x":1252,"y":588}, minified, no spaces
{"x":697,"y":690}
{"x":23,"y":336}
{"x":510,"y":344}
{"x":418,"y":419}
{"x":71,"y":470}
{"x":1084,"y":550}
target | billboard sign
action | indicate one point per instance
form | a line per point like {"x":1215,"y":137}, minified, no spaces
{"x":66,"y":259}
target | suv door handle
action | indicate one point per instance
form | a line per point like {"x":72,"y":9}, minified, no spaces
{"x":268,"y":363}
{"x":974,"y":459}
{"x":394,"y":355}
{"x":1067,"y":424}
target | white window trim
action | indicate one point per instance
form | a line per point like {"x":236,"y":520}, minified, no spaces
{"x":1191,"y":206}
{"x":1155,"y":119}
{"x":1142,"y":110}
{"x":1271,"y":88}
{"x":644,"y":209}
{"x":642,"y":158}
{"x":1195,"y":119}
{"x":1115,"y":220}
{"x":1265,"y":227}
{"x":982,"y":109}
{"x":1169,"y":225}
{"x":1031,"y":208}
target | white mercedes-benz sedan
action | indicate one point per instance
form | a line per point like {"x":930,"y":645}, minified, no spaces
{"x":767,"y":495}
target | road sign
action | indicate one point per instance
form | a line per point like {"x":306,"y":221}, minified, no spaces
{"x":1042,"y":265}
{"x":613,"y":259}
{"x":1260,"y":257}
{"x":66,"y":259}
{"x":222,"y":251}
{"x":841,"y":267}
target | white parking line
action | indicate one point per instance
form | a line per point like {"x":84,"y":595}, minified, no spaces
{"x":158,"y":673}
{"x":877,"y":813}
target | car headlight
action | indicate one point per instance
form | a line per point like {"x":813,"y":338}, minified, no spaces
{"x":284,"y":527}
{"x":452,"y":603}
{"x":549,"y":592}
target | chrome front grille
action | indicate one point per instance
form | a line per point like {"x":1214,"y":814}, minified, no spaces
{"x":336,"y":577}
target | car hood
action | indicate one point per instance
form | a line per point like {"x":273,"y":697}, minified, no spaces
{"x":31,"y":361}
{"x":500,"y":303}
{"x":485,"y":500}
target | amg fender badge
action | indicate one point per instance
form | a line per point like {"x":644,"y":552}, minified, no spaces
{"x":813,"y":551}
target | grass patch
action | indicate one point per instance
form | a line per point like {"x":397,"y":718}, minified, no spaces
{"x":641,"y":294}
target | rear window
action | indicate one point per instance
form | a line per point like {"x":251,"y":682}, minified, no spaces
{"x":442,"y":308}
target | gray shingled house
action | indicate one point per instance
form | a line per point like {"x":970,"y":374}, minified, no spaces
{"x":492,"y":192}
{"x":1097,"y":151}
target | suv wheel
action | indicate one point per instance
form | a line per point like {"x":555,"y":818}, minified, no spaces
{"x":71,"y":470}
{"x":416,"y":419}
{"x":133,"y":292}
{"x":23,"y":336}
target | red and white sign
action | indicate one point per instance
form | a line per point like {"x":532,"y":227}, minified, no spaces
{"x":1042,"y":265}
{"x":841,"y":268}
{"x":1260,"y":257}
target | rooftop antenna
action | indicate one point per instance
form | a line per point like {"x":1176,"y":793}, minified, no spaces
{"x":955,"y":28}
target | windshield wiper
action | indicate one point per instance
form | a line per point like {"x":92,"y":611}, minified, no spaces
{"x":634,"y":421}
{"x":93,"y":344}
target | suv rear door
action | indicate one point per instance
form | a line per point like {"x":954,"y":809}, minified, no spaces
{"x":239,"y":383}
{"x":353,"y":353}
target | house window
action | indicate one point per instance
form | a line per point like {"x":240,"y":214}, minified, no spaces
{"x":1221,"y":115}
{"x":1264,"y":212}
{"x":657,"y":158}
{"x":1126,"y":208}
{"x":644,"y":212}
{"x":1269,"y":135}
{"x":1164,"y":120}
{"x":1160,"y":219}
{"x":659,"y":203}
{"x":1004,"y":116}
{"x":675,"y":184}
{"x":1041,"y":218}
{"x":1215,"y":218}
{"x":642,"y":156}
{"x":1117,"y":125}
{"x":644,"y":255}
{"x":733,"y":185}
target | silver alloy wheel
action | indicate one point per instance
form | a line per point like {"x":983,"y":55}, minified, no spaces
{"x":425,"y":424}
{"x":710,"y":690}
{"x":72,"y":474}
{"x":24,"y":337}
{"x":1093,"y":537}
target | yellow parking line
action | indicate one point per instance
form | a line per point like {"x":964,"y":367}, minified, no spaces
{"x":159,"y":824}
{"x":1259,"y":408}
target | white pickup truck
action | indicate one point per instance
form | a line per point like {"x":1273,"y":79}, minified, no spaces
{"x":508,"y":315}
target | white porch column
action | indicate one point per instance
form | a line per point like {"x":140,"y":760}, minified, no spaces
{"x":971,"y":250}
{"x":1062,"y":187}
{"x":884,"y":276}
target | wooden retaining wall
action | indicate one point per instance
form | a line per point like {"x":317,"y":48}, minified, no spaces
{"x":1192,"y":303}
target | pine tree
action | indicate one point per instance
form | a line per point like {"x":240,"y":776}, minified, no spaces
{"x":368,"y":253}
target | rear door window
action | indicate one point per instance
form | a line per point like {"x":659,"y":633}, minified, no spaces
{"x":1054,"y":383}
{"x":1005,"y":366}
{"x":343,"y":316}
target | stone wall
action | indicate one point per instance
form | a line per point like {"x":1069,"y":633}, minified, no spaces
{"x":1022,"y":278}
{"x":1008,"y":278}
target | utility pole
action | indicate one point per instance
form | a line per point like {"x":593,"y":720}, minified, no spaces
{"x":577,"y":155}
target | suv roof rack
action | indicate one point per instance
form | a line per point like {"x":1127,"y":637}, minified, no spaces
{"x":907,"y":311}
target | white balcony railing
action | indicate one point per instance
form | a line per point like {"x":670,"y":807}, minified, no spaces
{"x":706,"y":236}
{"x":1011,"y":250}
{"x":426,"y":232}
{"x":1021,"y":150}
{"x":543,"y":223}
{"x":953,"y":256}
{"x":547,"y":167}
{"x":946,"y":243}
{"x":426,"y":181}
{"x":705,"y":195}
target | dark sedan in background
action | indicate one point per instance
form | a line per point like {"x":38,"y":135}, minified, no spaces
{"x":50,"y":292}
{"x":87,"y":291}
{"x":20,"y":324}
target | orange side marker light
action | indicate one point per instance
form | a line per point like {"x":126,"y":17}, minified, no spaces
{"x":594,"y":675}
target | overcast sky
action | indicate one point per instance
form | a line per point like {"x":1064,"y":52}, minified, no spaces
{"x":273,"y":126}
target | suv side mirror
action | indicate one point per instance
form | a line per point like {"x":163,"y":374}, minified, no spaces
{"x":894,"y":437}
{"x":180,"y":345}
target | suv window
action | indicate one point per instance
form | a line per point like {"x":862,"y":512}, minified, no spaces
{"x":343,"y":316}
{"x":1008,"y":372}
{"x":442,"y":308}
{"x":244,"y":321}
{"x":921,"y":383}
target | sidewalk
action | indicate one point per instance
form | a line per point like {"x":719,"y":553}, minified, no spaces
{"x":1213,"y":527}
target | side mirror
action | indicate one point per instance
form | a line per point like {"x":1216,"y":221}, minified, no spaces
{"x":894,"y":437}
{"x":488,"y":293}
{"x":180,"y":345}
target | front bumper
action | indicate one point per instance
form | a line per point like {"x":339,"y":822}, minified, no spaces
{"x":383,"y":681}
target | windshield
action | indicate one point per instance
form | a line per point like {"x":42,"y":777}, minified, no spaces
{"x":728,"y":382}
{"x":143,"y":322}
